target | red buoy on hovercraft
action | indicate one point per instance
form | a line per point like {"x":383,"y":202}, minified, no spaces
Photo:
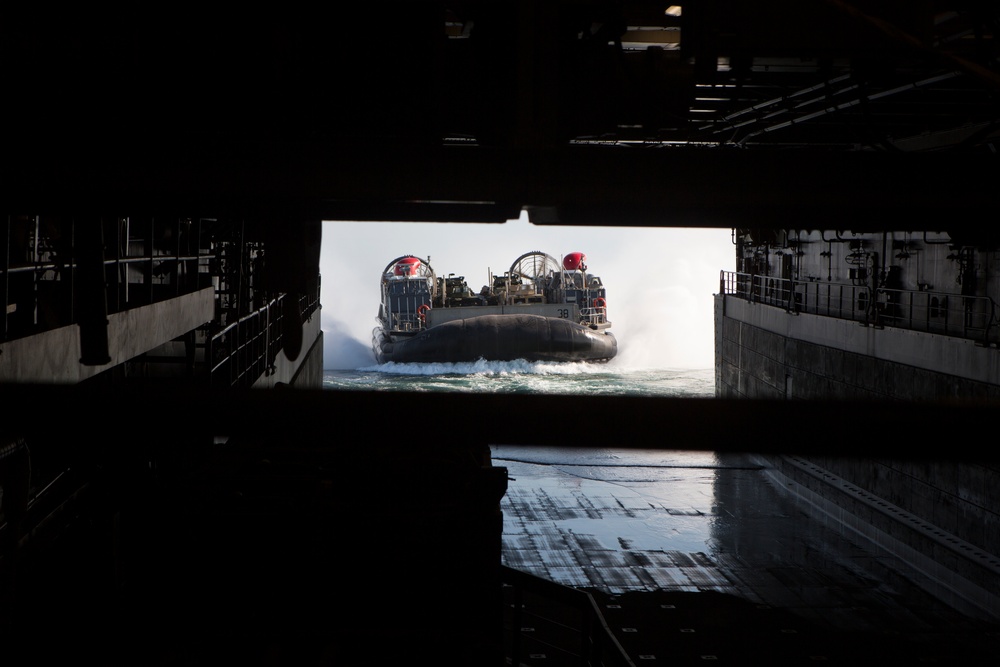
{"x":407,"y":266}
{"x":574,"y":261}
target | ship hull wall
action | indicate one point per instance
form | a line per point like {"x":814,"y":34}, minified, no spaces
{"x":940,"y":516}
{"x":767,"y":352}
{"x":54,"y":355}
{"x":306,"y":370}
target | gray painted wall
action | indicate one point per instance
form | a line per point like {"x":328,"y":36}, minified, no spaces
{"x":941,"y":517}
{"x":759,"y":348}
{"x":307,"y":370}
{"x":54,"y":356}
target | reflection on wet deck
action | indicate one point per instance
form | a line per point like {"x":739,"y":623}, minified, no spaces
{"x":622,"y":522}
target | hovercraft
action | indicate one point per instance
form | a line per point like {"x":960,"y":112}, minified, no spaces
{"x":539,"y":310}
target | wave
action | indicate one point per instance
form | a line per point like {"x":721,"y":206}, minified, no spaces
{"x":495,"y":377}
{"x":487,"y":368}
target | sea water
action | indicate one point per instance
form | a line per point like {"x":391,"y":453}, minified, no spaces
{"x":497,"y":377}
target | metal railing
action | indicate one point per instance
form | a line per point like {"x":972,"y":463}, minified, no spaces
{"x":407,"y":321}
{"x":970,"y":317}
{"x":594,"y":316}
{"x":243,"y":351}
{"x":143,"y":264}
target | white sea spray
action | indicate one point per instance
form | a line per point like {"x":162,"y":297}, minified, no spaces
{"x":493,"y":377}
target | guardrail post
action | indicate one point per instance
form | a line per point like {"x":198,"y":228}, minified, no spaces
{"x":93,"y":315}
{"x":5,"y":269}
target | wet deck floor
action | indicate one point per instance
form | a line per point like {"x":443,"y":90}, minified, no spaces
{"x":260,"y":558}
{"x":649,"y":531}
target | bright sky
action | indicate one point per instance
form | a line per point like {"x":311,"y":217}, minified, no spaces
{"x":660,"y":281}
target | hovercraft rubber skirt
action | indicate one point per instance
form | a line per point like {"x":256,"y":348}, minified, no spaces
{"x":503,"y":338}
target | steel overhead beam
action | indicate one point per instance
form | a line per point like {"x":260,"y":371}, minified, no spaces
{"x":323,"y":417}
{"x":576,"y":185}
